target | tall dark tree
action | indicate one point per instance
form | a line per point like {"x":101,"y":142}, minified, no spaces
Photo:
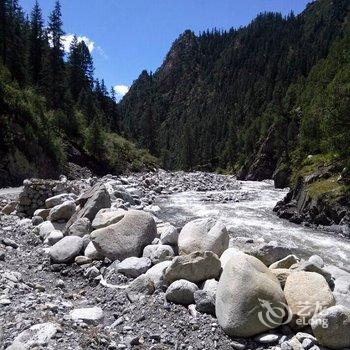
{"x":56,"y":63}
{"x":36,"y":44}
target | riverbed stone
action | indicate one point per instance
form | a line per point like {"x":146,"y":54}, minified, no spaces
{"x":168,"y":233}
{"x":181,"y":292}
{"x":156,"y":273}
{"x":194,"y":267}
{"x":311,"y":267}
{"x":44,"y":229}
{"x":285,"y":263}
{"x":306,"y":293}
{"x":126,"y":238}
{"x":59,"y":199}
{"x":90,"y":315}
{"x":341,"y":290}
{"x":134,"y":267}
{"x":271,"y":252}
{"x":66,"y":249}
{"x":244,"y":286}
{"x":80,"y":228}
{"x":203,"y":235}
{"x":205,"y":297}
{"x":62,"y":211}
{"x":107,"y":216}
{"x":53,"y":237}
{"x":317,"y":260}
{"x":282,"y":275}
{"x":158,"y":252}
{"x":227,"y":255}
{"x":92,"y":253}
{"x":37,"y":335}
{"x":332,"y":327}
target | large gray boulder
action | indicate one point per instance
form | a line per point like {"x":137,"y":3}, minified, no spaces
{"x":246,"y":287}
{"x":44,"y":229}
{"x":332,"y":327}
{"x":126,"y":238}
{"x":91,"y":202}
{"x":306,"y":294}
{"x":195,"y":267}
{"x":227,"y":255}
{"x":203,"y":235}
{"x":134,"y":267}
{"x":271,"y":252}
{"x":66,"y":249}
{"x":62,"y":211}
{"x":107,"y":216}
{"x":158,"y":252}
{"x":181,"y":292}
{"x":92,"y":253}
{"x":285,"y":263}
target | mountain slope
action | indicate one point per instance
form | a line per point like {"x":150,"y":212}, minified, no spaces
{"x":220,"y":99}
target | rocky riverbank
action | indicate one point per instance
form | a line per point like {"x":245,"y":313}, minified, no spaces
{"x":89,"y":265}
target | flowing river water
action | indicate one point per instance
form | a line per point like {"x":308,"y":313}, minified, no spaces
{"x":251,"y":215}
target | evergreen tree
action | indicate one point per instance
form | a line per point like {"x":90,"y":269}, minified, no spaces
{"x":56,"y":63}
{"x":36,"y":44}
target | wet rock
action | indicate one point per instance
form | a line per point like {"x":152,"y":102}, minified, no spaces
{"x":62,"y":211}
{"x":66,"y":249}
{"x":195,"y":267}
{"x":246,"y":280}
{"x":134,"y":267}
{"x":181,"y":292}
{"x":90,"y":315}
{"x":37,"y":335}
{"x":306,"y":293}
{"x":332,"y":327}
{"x":158,"y":253}
{"x":126,"y":238}
{"x":203,"y":235}
{"x":317,"y":260}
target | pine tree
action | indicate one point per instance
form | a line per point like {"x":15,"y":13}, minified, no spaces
{"x":56,"y":63}
{"x":36,"y":44}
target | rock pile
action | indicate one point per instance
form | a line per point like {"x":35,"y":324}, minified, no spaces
{"x":109,"y":244}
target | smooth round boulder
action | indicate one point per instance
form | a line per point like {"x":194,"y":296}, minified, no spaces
{"x":66,"y":249}
{"x":62,"y":211}
{"x":285,"y":263}
{"x":156,"y":273}
{"x":44,"y":229}
{"x":134,"y":267}
{"x":91,"y":252}
{"x":306,"y":293}
{"x":332,"y":327}
{"x":203,"y":235}
{"x":195,"y":267}
{"x":169,"y":234}
{"x":247,"y":289}
{"x":126,"y":238}
{"x":181,"y":292}
{"x":227,"y":255}
{"x":53,"y":237}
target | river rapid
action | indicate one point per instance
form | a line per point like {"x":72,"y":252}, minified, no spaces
{"x":249,"y":213}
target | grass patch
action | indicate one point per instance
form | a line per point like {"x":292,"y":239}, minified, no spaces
{"x":327,"y":188}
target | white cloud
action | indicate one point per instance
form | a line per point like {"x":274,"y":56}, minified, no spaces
{"x":121,"y":90}
{"x":68,"y":38}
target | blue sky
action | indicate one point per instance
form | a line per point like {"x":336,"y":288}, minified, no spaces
{"x":127,"y":36}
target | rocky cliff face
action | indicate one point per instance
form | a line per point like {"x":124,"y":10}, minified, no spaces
{"x":319,"y":198}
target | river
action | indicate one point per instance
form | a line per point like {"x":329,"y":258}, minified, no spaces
{"x":251,"y":215}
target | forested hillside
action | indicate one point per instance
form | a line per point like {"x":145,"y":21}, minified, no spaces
{"x":52,"y":109}
{"x":251,"y":100}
